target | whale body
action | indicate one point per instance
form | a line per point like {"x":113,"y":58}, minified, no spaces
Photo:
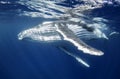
{"x":55,"y":31}
{"x":67,"y":24}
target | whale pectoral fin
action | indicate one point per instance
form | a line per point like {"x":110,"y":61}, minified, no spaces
{"x":68,"y":35}
{"x":74,"y":56}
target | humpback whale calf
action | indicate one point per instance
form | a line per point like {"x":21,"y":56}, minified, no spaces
{"x":67,"y":24}
{"x":56,"y":31}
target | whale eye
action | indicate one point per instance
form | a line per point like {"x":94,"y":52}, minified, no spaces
{"x":90,"y":29}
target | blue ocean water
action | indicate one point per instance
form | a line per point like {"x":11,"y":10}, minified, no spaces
{"x":31,"y":60}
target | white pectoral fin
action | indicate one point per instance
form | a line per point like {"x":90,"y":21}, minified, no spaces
{"x":71,"y":37}
{"x":82,"y":61}
{"x":76,"y":57}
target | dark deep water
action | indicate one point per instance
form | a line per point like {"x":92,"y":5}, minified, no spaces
{"x":31,"y":60}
